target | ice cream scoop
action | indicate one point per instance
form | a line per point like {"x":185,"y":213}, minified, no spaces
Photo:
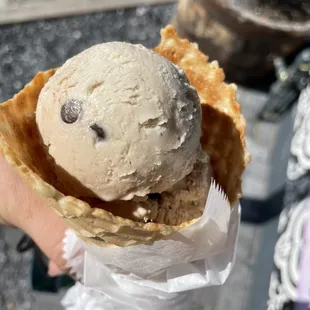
{"x":122,"y":120}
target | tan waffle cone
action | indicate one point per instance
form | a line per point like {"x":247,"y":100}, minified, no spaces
{"x":223,"y":139}
{"x":223,"y":126}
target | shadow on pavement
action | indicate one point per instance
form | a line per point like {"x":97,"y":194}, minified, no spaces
{"x":258,"y":211}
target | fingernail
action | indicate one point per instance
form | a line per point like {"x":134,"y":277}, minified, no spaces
{"x":54,"y":270}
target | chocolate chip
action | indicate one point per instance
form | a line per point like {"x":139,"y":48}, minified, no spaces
{"x":70,"y":111}
{"x":99,"y":131}
{"x":154,"y":196}
{"x":191,"y":95}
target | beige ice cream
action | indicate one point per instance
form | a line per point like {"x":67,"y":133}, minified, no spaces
{"x":125,"y":122}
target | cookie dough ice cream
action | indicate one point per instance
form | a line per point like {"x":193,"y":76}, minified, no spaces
{"x":126,"y":123}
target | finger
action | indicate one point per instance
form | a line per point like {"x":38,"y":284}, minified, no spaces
{"x":54,"y":270}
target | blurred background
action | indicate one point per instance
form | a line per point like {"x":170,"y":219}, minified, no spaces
{"x":263,"y":47}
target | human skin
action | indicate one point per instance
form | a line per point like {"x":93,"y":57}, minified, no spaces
{"x":21,"y":207}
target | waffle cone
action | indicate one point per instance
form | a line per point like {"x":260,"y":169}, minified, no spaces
{"x":223,"y":138}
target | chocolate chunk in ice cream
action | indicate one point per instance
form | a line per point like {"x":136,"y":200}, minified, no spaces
{"x":98,"y":130}
{"x":70,"y":111}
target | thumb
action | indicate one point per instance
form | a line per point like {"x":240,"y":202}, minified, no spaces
{"x":54,"y":270}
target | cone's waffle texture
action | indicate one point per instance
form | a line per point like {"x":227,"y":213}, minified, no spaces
{"x":223,"y":138}
{"x":223,"y":126}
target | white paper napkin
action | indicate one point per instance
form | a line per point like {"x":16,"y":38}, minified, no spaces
{"x":161,"y":275}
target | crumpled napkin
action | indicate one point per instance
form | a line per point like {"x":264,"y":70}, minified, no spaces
{"x":164,"y":275}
